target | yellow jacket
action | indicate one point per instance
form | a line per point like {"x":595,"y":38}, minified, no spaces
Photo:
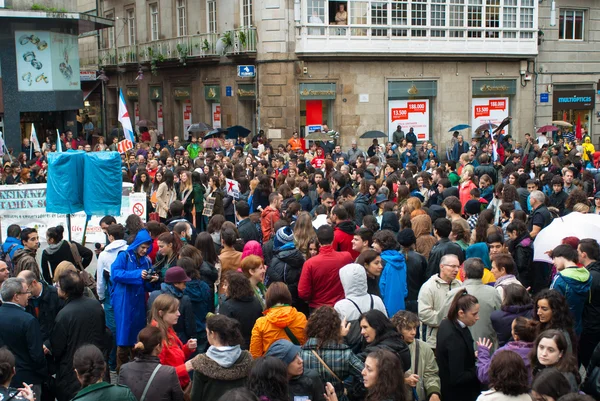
{"x":271,"y":328}
{"x":588,"y":149}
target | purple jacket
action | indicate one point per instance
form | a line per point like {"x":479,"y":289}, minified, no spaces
{"x":502,"y":320}
{"x":484,"y":360}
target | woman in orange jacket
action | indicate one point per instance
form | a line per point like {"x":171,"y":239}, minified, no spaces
{"x":165,"y":313}
{"x":281,"y":321}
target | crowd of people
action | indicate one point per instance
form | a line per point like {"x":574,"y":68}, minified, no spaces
{"x":385,"y":274}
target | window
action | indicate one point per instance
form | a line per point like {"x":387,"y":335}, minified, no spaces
{"x":510,"y":18}
{"x":131,"y":26}
{"x":379,"y":16}
{"x":457,"y":17}
{"x":400,"y":17}
{"x":247,"y":13}
{"x":316,"y":15}
{"x":358,"y":13}
{"x":154,"y":21}
{"x":474,"y":18}
{"x":418,"y":15}
{"x":492,"y":18}
{"x":211,"y":6}
{"x":181,"y":18}
{"x":571,"y":25}
{"x":438,"y":17}
{"x":110,"y":34}
{"x":526,"y":16}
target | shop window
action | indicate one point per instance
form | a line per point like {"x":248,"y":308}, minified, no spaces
{"x":571,"y":25}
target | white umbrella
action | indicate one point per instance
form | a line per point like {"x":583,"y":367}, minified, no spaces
{"x":572,"y":225}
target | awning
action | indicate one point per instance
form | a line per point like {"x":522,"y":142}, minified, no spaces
{"x":87,"y":88}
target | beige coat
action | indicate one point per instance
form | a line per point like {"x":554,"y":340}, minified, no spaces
{"x":164,"y":197}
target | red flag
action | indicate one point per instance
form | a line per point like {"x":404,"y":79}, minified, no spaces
{"x":578,"y":128}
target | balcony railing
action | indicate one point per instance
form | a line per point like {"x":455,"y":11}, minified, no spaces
{"x":240,"y":41}
{"x":322,"y":39}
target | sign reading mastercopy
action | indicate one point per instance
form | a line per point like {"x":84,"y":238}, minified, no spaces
{"x":47,"y":61}
{"x":573,"y":100}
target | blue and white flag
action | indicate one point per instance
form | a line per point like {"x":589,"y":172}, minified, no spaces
{"x":124,"y":118}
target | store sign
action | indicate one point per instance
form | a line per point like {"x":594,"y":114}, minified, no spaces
{"x":132,"y":93}
{"x":160,"y":122}
{"x":573,"y":100}
{"x":187,"y":117}
{"x":410,"y":114}
{"x":492,"y":87}
{"x":486,"y":110}
{"x":182,"y":93}
{"x":544,"y":97}
{"x":310,"y":91}
{"x":87,"y":75}
{"x":216,"y":115}
{"x":246,"y":91}
{"x":156,"y":93}
{"x":212,"y":93}
{"x":47,"y":61}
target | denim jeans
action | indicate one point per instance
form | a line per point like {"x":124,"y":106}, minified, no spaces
{"x":109,"y":317}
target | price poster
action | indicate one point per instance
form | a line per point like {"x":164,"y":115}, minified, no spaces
{"x":410,"y":114}
{"x":488,"y":110}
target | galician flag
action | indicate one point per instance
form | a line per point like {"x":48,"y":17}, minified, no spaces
{"x":58,"y":142}
{"x":35,"y":144}
{"x":124,"y":118}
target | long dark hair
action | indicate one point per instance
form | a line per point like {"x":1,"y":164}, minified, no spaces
{"x":382,"y":325}
{"x":226,"y":328}
{"x":205,"y":244}
{"x":323,"y":325}
{"x":567,"y":362}
{"x":561,"y":315}
{"x":169,"y":179}
{"x":89,"y":363}
{"x":268,"y":378}
{"x":484,"y":220}
{"x":390,"y":377}
{"x":551,"y":383}
{"x":508,"y":374}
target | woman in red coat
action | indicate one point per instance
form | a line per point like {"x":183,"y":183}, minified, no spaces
{"x":165,"y":313}
{"x":465,"y":187}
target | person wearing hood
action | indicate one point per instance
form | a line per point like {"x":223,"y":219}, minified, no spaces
{"x":344,"y":229}
{"x":201,"y":296}
{"x":588,"y":151}
{"x":319,"y":160}
{"x":523,"y":332}
{"x":589,"y":255}
{"x":270,"y":215}
{"x":521,"y":249}
{"x":303,"y":383}
{"x":422,"y":228}
{"x":362,"y":203}
{"x":286,"y":266}
{"x":280,"y":321}
{"x":479,"y":250}
{"x":225,"y":365}
{"x":59,"y":250}
{"x":131,"y":276}
{"x":117,"y":243}
{"x":356,"y":302}
{"x":572,"y":281}
{"x":389,"y":221}
{"x":416,"y":266}
{"x":175,"y":285}
{"x":516,"y":303}
{"x":13,"y":241}
{"x":392,"y":283}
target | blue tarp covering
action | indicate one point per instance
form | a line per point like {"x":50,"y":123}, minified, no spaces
{"x":64,"y":193}
{"x":84,"y":181}
{"x":102,"y":184}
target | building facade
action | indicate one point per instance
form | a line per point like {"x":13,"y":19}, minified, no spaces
{"x":568,"y":65}
{"x":355,"y":65}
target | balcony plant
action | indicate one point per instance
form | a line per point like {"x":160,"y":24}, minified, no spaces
{"x":242,"y":39}
{"x":183,"y":53}
{"x":205,"y":46}
{"x":227,"y":41}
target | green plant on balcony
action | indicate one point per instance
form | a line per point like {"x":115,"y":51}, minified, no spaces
{"x":160,"y":57}
{"x":227,"y":40}
{"x":205,"y":46}
{"x":242,"y":38}
{"x":183,"y":53}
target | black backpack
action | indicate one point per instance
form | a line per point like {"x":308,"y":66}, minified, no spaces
{"x":354,"y":338}
{"x":5,"y":257}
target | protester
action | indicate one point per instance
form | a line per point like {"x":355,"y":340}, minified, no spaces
{"x":59,"y":250}
{"x":552,"y":311}
{"x":379,"y":333}
{"x":550,"y":384}
{"x":589,"y":256}
{"x":268,"y":379}
{"x":392,"y":283}
{"x":550,"y":351}
{"x":371,"y":261}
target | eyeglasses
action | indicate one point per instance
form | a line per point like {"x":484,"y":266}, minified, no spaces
{"x":452,"y":266}
{"x":24,"y":292}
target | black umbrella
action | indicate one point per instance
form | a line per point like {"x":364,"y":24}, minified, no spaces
{"x":485,"y":126}
{"x":237,"y":131}
{"x":146,"y":123}
{"x":373,"y":134}
{"x":503,"y":124}
{"x":215,"y":133}
{"x":199,"y":127}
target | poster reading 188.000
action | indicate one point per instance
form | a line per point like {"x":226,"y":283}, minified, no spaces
{"x":487,"y":110}
{"x":410,"y":114}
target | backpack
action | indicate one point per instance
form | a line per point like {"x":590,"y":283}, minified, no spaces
{"x":354,"y":338}
{"x":88,"y":279}
{"x":5,"y":257}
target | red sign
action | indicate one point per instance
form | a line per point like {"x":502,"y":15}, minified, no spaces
{"x":412,"y":107}
{"x":417,"y":107}
{"x":138,"y":209}
{"x":484,"y":111}
{"x":124,"y":146}
{"x":499,"y":104}
{"x":399,"y":114}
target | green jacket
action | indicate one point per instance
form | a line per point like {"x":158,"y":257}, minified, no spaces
{"x":427,"y":370}
{"x":105,"y":391}
{"x":199,"y":198}
{"x":193,"y":149}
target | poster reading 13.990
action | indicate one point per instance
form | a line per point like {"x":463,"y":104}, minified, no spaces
{"x":47,"y":61}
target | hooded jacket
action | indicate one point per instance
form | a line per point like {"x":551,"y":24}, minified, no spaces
{"x":588,"y":149}
{"x":484,"y":360}
{"x":591,"y":311}
{"x":422,"y":227}
{"x":11,"y":245}
{"x":432,"y":297}
{"x":391,"y":341}
{"x":56,"y":253}
{"x":105,"y":261}
{"x":522,"y":252}
{"x":24,"y":259}
{"x":502,"y":320}
{"x":246,"y":311}
{"x":270,"y":328}
{"x":202,"y":301}
{"x":354,"y":280}
{"x":574,"y":283}
{"x":129,"y":290}
{"x":416,"y":267}
{"x":268,"y":218}
{"x":186,"y":324}
{"x":389,"y":221}
{"x":392,"y":283}
{"x":342,"y":237}
{"x":286,"y":267}
{"x":212,"y":380}
{"x":362,"y":208}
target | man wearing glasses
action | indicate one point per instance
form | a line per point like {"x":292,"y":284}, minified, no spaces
{"x":20,"y":333}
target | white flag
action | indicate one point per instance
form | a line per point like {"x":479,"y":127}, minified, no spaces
{"x":34,"y":139}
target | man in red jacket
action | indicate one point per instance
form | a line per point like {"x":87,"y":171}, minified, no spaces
{"x":320,"y":281}
{"x":343,"y":232}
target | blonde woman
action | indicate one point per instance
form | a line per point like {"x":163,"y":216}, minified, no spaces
{"x":303,"y":232}
{"x":185,"y":193}
{"x":165,"y":195}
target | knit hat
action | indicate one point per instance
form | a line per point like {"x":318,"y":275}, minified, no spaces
{"x":472,"y":207}
{"x":284,"y":350}
{"x":176,"y":274}
{"x":406,"y":237}
{"x":283,"y":236}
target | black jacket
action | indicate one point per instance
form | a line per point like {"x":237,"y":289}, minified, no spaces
{"x":211,"y":380}
{"x":248,"y":231}
{"x":209,"y":274}
{"x":286,"y":267}
{"x":391,"y":341}
{"x":487,"y":169}
{"x":246,"y":311}
{"x":558,"y":200}
{"x":443,"y":247}
{"x":591,"y":310}
{"x":20,"y":333}
{"x":362,"y":208}
{"x":309,"y":384}
{"x":522,"y":252}
{"x":164,"y":387}
{"x":373,"y":286}
{"x":79,"y":322}
{"x":52,"y":257}
{"x":456,"y":361}
{"x":502,"y":320}
{"x":47,"y":305}
{"x":306,"y":203}
{"x":416,"y":267}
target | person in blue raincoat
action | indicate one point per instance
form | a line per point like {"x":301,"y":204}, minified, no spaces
{"x":131,"y":277}
{"x":392,"y":283}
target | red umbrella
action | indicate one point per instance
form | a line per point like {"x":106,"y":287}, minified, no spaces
{"x":578,"y":133}
{"x":547,"y":128}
